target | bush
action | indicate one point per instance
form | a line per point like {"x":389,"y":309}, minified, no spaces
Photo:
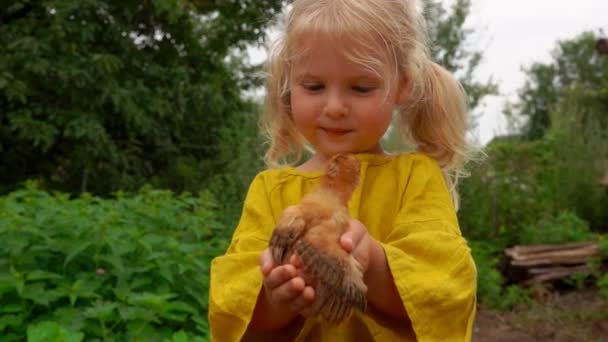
{"x":564,"y":228}
{"x":132,"y":268}
{"x":490,"y":291}
{"x":504,"y":192}
{"x":526,"y":186}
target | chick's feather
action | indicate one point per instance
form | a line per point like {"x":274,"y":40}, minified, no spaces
{"x":312,"y":230}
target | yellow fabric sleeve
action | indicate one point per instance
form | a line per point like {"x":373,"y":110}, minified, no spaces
{"x":236,"y":279}
{"x":430,"y":261}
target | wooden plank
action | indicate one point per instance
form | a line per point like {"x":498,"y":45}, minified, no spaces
{"x":518,"y":251}
{"x":558,"y":274}
{"x":545,"y":270}
{"x":540,"y":263}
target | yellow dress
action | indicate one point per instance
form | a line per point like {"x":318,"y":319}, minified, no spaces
{"x":405,"y":205}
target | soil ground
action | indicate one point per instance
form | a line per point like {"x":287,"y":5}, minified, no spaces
{"x":574,"y":316}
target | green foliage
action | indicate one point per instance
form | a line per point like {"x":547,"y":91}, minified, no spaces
{"x":563,"y":228}
{"x":503,"y":192}
{"x":48,"y":331}
{"x":490,"y":290}
{"x":452,"y":48}
{"x":602,"y":284}
{"x":241,"y":158}
{"x":603,"y":242}
{"x":51,"y":331}
{"x":529,"y":191}
{"x":131,"y":268}
{"x":489,"y":280}
{"x":532,"y":192}
{"x":98,"y":96}
{"x":577,"y":280}
{"x":575,"y":63}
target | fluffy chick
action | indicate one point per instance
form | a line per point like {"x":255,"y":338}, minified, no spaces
{"x":312,"y":231}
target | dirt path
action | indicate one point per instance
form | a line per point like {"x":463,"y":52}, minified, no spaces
{"x":576,"y":316}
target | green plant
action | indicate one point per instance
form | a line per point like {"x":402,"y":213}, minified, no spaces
{"x":490,"y":282}
{"x":102,"y":95}
{"x":563,"y":228}
{"x":131,"y":268}
{"x":51,"y":331}
{"x":577,"y":280}
{"x":524,"y":187}
{"x":602,"y":284}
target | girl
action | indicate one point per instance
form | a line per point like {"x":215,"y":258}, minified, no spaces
{"x":336,"y":76}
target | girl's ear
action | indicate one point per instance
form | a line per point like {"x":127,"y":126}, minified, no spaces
{"x":404,"y":89}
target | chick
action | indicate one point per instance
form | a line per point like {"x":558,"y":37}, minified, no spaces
{"x":312,"y":231}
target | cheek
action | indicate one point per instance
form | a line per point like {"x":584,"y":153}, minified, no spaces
{"x":380,"y":120}
{"x":302,"y":108}
{"x":301,"y":113}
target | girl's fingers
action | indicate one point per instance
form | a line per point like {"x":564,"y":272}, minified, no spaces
{"x":289,"y":290}
{"x":295,"y":261}
{"x":278,"y":276}
{"x":346,"y":241}
{"x":303,"y":302}
{"x":351,"y":239}
{"x":266,"y":263}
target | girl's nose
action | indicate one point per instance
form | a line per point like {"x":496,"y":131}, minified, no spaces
{"x":335,"y":107}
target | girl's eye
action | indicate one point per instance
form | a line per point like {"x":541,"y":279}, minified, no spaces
{"x":362,"y":89}
{"x":313,"y":87}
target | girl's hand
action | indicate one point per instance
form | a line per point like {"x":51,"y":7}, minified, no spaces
{"x":359,"y":243}
{"x":285,"y":287}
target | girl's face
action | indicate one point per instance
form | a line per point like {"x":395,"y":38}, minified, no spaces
{"x":337,"y":105}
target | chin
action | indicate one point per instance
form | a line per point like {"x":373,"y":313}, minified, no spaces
{"x":335,"y":150}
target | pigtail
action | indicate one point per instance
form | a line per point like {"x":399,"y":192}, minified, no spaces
{"x":281,"y":135}
{"x":285,"y":144}
{"x":436,"y":121}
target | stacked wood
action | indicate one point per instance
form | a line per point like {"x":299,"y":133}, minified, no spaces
{"x":538,"y":263}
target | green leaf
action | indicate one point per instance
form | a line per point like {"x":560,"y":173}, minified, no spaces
{"x":12,"y":308}
{"x":70,"y":318}
{"x":134,"y":313}
{"x":17,"y":281}
{"x":116,"y":261}
{"x":85,"y":287}
{"x":151,"y":300}
{"x":76,"y":251}
{"x":39,"y":294}
{"x":51,"y":332}
{"x":14,"y":321}
{"x":179,"y":336}
{"x":102,"y":311}
{"x":41,"y":275}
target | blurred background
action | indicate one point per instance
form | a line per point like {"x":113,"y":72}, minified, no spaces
{"x":128,"y":138}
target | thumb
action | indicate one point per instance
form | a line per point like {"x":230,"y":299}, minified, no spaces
{"x":266,"y":263}
{"x":346,"y":240}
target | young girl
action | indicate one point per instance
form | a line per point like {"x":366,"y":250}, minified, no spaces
{"x":337,"y":75}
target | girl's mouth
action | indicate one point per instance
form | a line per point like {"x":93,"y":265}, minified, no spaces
{"x":335,"y":131}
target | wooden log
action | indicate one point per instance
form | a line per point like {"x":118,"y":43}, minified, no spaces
{"x":517,"y":251}
{"x":569,"y":252}
{"x":548,"y":270}
{"x":541,"y":262}
{"x":558,"y":273}
{"x":538,"y":263}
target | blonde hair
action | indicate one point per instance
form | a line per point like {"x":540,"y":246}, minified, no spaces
{"x":435,"y":116}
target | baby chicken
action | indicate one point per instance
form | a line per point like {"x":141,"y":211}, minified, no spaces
{"x":312,"y":231}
